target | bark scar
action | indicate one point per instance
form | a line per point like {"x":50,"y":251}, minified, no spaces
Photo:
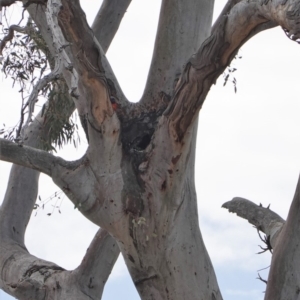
{"x":139,"y":281}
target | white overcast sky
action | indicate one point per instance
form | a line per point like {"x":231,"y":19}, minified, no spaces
{"x":248,"y":146}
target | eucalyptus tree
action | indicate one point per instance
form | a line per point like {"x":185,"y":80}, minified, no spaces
{"x":136,"y":179}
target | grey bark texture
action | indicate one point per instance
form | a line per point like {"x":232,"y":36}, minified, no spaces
{"x":284,"y":277}
{"x":263,"y":218}
{"x":146,"y":151}
{"x":283,"y":281}
{"x":108,"y":20}
{"x":23,"y":271}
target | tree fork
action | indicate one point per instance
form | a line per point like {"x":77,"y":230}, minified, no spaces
{"x":152,"y":210}
{"x":102,"y":243}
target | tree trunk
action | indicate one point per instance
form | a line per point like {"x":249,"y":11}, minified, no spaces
{"x":284,"y":276}
{"x":160,"y":237}
{"x":136,"y":179}
{"x":152,"y":210}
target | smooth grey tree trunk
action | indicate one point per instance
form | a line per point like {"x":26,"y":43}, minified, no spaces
{"x":136,"y":180}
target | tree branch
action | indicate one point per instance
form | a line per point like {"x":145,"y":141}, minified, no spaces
{"x":37,"y":88}
{"x":76,"y":43}
{"x":19,"y":200}
{"x":283,"y":281}
{"x":107,"y":21}
{"x":11,"y":33}
{"x":27,"y":277}
{"x":30,"y":157}
{"x":38,"y":14}
{"x":262,"y":218}
{"x":97,"y":264}
{"x":26,"y":270}
{"x":22,"y":270}
{"x":230,"y":33}
{"x":179,"y":34}
{"x":4,"y":3}
{"x":225,"y":11}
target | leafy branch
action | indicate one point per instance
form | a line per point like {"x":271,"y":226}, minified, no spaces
{"x":26,"y":58}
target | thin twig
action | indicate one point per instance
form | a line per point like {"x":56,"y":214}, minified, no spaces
{"x":266,"y":240}
{"x":37,"y":88}
{"x":263,"y":280}
{"x":264,"y":268}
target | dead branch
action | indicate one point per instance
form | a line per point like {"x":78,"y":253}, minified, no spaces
{"x":262,"y":218}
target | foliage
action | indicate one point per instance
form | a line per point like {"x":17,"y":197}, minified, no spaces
{"x":61,"y":129}
{"x":58,"y":196}
{"x":26,"y":59}
{"x":228,"y":74}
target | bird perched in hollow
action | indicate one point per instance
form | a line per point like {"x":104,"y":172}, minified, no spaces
{"x":114,"y":103}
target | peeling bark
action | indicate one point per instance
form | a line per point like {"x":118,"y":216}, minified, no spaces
{"x":21,"y":271}
{"x":146,"y":152}
{"x":229,"y":33}
{"x":130,"y":198}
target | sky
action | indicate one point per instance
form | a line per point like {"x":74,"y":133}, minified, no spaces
{"x":248,"y":146}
